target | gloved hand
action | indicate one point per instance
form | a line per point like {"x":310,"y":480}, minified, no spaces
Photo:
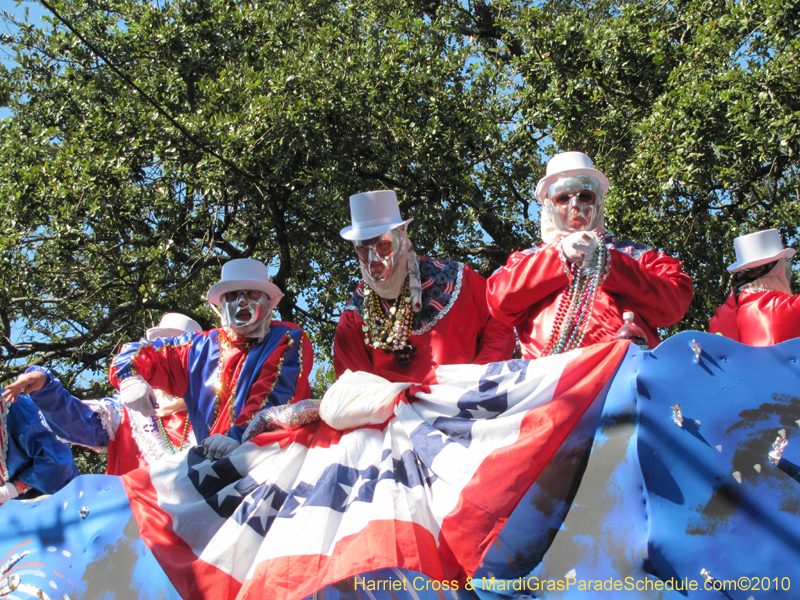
{"x":136,"y":394}
{"x":579,"y":248}
{"x":219,"y":446}
{"x":8,"y":491}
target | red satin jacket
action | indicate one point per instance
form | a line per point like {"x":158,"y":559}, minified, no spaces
{"x":758,"y":318}
{"x":124,"y":453}
{"x":526,"y":293}
{"x":454,"y":327}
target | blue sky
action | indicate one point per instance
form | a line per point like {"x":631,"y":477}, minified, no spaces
{"x":13,"y":7}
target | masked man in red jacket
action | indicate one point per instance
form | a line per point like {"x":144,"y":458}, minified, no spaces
{"x":228,"y":374}
{"x":410,"y":314}
{"x":572,"y":290}
{"x":761,"y":309}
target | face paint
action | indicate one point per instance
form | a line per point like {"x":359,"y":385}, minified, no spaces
{"x":381,"y":255}
{"x":572,"y":202}
{"x":244,"y":308}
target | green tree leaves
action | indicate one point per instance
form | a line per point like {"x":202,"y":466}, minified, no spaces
{"x":175,"y":136}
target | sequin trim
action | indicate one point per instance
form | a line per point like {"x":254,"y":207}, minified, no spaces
{"x":277,"y":375}
{"x":436,"y":277}
{"x":755,"y":289}
{"x":131,"y":371}
{"x":158,"y":345}
{"x":633,"y":249}
{"x":446,"y":309}
{"x":287,"y":417}
{"x":299,"y":372}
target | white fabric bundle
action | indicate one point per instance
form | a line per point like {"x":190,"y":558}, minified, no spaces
{"x":358,"y":399}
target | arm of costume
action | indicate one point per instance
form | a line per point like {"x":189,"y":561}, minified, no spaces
{"x":349,"y":349}
{"x":767,"y":318}
{"x":282,"y":379}
{"x":495,"y":339}
{"x":527,"y":278}
{"x":40,"y":460}
{"x":724,"y":320}
{"x":654,"y":286}
{"x":70,"y":418}
{"x":163,"y":363}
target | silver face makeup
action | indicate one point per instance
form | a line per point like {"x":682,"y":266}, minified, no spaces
{"x":243,"y":308}
{"x":572,"y":202}
{"x":381,"y":255}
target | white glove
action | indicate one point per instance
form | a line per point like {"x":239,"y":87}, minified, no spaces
{"x":579,"y":248}
{"x":136,"y":394}
{"x":8,"y":492}
{"x":358,"y":399}
{"x":219,"y":446}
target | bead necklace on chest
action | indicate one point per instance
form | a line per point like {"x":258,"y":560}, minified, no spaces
{"x":577,"y":302}
{"x":184,"y":436}
{"x":389,"y":331}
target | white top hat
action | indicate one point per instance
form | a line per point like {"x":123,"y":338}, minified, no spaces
{"x":569,"y":164}
{"x":244,"y":274}
{"x":759,"y":248}
{"x":373,"y":213}
{"x":173,"y":325}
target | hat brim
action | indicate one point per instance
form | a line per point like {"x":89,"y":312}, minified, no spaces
{"x":223,"y":287}
{"x":785,"y":253}
{"x":354,"y":234}
{"x":163,"y":332}
{"x":546,"y":182}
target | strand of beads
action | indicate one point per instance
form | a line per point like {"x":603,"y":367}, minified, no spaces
{"x":577,"y":302}
{"x":595,"y":278}
{"x":755,"y":288}
{"x":564,"y":314}
{"x":184,"y":436}
{"x":4,"y":475}
{"x":389,"y":332}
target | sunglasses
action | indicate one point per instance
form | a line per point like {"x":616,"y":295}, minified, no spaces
{"x":584,"y":197}
{"x":382,"y":248}
{"x":250,"y":294}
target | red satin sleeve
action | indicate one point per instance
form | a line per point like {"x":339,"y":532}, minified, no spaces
{"x":495,"y":339}
{"x":527,"y":278}
{"x":762,"y":318}
{"x":724,"y":320}
{"x":349,"y":349}
{"x":165,"y":369}
{"x":654,"y":286}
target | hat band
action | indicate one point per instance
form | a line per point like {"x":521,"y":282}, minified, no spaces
{"x":374,"y":222}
